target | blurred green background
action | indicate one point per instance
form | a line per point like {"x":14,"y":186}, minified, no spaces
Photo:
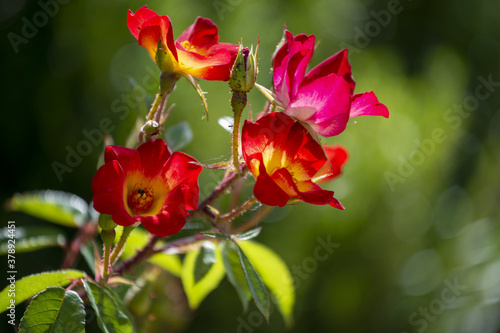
{"x":418,"y":244}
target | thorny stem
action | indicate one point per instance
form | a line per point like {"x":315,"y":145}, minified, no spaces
{"x":237,"y":211}
{"x":149,"y":250}
{"x":254,"y":221}
{"x":119,"y":246}
{"x":142,"y":255}
{"x":105,"y":268}
{"x":216,"y":193}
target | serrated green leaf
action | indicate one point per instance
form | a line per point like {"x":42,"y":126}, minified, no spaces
{"x":196,"y":292}
{"x":54,"y":310}
{"x":54,"y":206}
{"x":31,"y":239}
{"x":275,"y":275}
{"x":255,"y":284}
{"x":112,"y":315}
{"x":179,"y":136}
{"x":31,"y":285}
{"x":234,"y":272}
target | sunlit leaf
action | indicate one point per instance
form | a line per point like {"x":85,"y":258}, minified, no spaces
{"x":168,"y":262}
{"x":275,"y":275}
{"x":112,"y":315}
{"x":31,"y":239}
{"x":54,"y":206}
{"x":255,"y":284}
{"x":234,"y":272}
{"x":30,"y":285}
{"x":54,"y":310}
{"x":197,"y":291}
{"x":179,"y":136}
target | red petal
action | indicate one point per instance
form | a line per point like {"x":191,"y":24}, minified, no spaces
{"x":216,"y":66}
{"x":129,"y":159}
{"x":154,"y":155}
{"x":337,"y":64}
{"x":107,"y":188}
{"x":171,"y":219}
{"x":182,"y":170}
{"x":137,"y":19}
{"x":337,"y":155}
{"x":367,"y":104}
{"x":313,"y":194}
{"x":267,"y":191}
{"x":155,"y":29}
{"x":272,"y":128}
{"x":303,"y":155}
{"x":202,"y":31}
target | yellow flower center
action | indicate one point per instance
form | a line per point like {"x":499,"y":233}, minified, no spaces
{"x":140,"y":199}
{"x":185,"y":44}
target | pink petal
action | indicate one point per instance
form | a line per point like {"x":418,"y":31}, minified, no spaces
{"x":337,"y":64}
{"x":330,"y":98}
{"x":367,"y":104}
{"x":290,"y":65}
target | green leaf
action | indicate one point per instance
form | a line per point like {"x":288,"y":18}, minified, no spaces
{"x":255,"y":284}
{"x":31,"y":239}
{"x":275,"y":275}
{"x":179,"y":136}
{"x":234,"y":272}
{"x":54,"y":206}
{"x":204,"y":261}
{"x":168,"y":262}
{"x":112,"y":315}
{"x":31,"y":285}
{"x":54,"y":310}
{"x":136,"y":241}
{"x":87,"y":252}
{"x":196,"y":292}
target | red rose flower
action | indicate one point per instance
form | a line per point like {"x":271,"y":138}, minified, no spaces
{"x":196,"y":52}
{"x":283,"y":157}
{"x":323,"y":99}
{"x":149,"y":185}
